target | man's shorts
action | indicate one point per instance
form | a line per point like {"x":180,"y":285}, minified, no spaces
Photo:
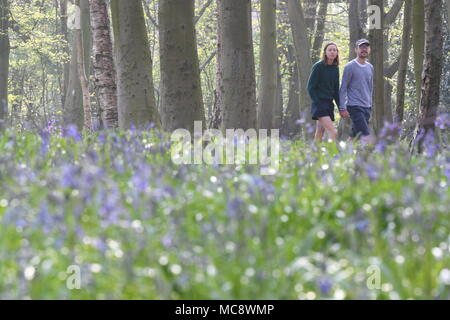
{"x":360,"y":118}
{"x":324,"y":108}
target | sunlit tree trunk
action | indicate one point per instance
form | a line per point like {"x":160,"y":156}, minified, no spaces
{"x":418,"y":43}
{"x":73,"y":107}
{"x":302,"y":50}
{"x":4,"y":61}
{"x":404,"y":57}
{"x":104,"y":70}
{"x":268,"y":65}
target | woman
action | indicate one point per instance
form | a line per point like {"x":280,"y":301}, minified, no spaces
{"x":323,"y":88}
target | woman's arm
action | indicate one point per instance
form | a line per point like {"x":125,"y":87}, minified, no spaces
{"x":313,"y":82}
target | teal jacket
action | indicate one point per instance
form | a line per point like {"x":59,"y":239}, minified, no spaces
{"x":323,"y":83}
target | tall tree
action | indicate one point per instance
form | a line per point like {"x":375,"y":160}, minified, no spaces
{"x":82,"y":76}
{"x":103,"y":62}
{"x":377,"y":59}
{"x":292,"y":113}
{"x":237,"y":72}
{"x":320,"y":30}
{"x":302,"y":51}
{"x":73,"y":107}
{"x":4,"y":60}
{"x":65,"y":35}
{"x":418,"y":43}
{"x":356,"y":32}
{"x":404,"y":57}
{"x":135,"y":91}
{"x":448,"y":15}
{"x":432,"y":69}
{"x":268,"y":65}
{"x":181,"y":92}
{"x":278,"y":111}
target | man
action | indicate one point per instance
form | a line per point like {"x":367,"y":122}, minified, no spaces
{"x":357,"y":90}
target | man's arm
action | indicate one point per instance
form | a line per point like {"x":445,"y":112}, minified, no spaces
{"x":344,"y":88}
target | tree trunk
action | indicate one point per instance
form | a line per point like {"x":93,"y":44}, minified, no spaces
{"x":404,"y":56}
{"x":304,"y":64}
{"x":65,"y":35}
{"x":73,"y":107}
{"x":278,"y":112}
{"x":377,"y":45}
{"x":237,"y":73}
{"x":448,"y":15}
{"x":290,"y":128}
{"x":356,"y":32}
{"x":181,"y":91}
{"x":4,"y":61}
{"x":104,"y":70}
{"x":135,"y":91}
{"x":355,"y":28}
{"x":310,"y":10}
{"x":363,"y":17}
{"x":268,"y":65}
{"x":418,"y":44}
{"x":320,"y":30}
{"x":84,"y":82}
{"x":432,"y":72}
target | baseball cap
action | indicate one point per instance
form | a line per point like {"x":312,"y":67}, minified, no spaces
{"x":362,"y":41}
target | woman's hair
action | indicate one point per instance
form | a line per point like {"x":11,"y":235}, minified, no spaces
{"x":336,"y":61}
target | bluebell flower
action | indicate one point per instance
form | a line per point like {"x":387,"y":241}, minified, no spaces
{"x":325,"y":285}
{"x":72,"y":131}
{"x":362,"y":226}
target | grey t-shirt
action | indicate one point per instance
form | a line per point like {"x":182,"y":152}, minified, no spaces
{"x":357,"y":85}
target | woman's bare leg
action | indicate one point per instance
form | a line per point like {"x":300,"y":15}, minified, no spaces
{"x":320,"y":131}
{"x":328,"y":125}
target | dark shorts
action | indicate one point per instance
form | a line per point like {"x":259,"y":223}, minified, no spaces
{"x":324,"y":108}
{"x":360,"y":118}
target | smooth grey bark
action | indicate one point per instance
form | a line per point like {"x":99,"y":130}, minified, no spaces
{"x":320,"y":30}
{"x":278,"y":112}
{"x":181,"y":92}
{"x":418,"y":43}
{"x":65,"y":35}
{"x":4,"y":61}
{"x":377,"y":59}
{"x":292,"y":114}
{"x":404,"y":57}
{"x":84,"y":82}
{"x":304,"y":64}
{"x":356,"y":32}
{"x":448,"y":15}
{"x":103,"y":63}
{"x":135,"y":90}
{"x":392,"y":14}
{"x":268,"y":65}
{"x":237,"y":72}
{"x":432,"y":72}
{"x":310,"y":10}
{"x":73,"y":107}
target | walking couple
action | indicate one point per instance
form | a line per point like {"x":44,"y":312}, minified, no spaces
{"x":353,"y":98}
